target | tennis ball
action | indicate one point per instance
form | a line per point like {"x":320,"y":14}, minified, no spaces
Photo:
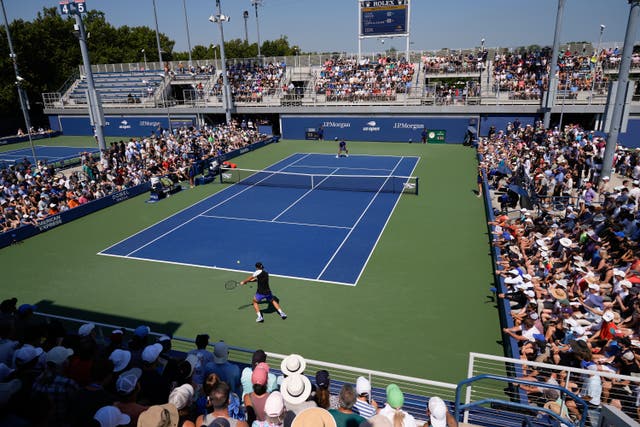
{"x":238,"y":262}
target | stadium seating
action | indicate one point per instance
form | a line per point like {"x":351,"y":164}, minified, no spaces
{"x":118,"y":87}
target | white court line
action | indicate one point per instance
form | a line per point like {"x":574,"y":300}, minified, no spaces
{"x":357,"y":222}
{"x":180,"y":211}
{"x":349,"y":169}
{"x":305,"y":194}
{"x":367,"y":155}
{"x":228,"y":269}
{"x":197,"y":216}
{"x":364,"y":266}
{"x":276,"y":222}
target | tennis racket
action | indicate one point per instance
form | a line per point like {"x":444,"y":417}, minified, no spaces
{"x":231,"y":284}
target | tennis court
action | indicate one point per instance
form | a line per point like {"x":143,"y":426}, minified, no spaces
{"x":48,"y":153}
{"x":310,"y":216}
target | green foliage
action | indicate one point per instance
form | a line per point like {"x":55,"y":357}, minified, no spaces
{"x":48,"y":53}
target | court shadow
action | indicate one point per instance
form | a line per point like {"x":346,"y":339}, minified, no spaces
{"x":68,"y":315}
{"x":243,"y":306}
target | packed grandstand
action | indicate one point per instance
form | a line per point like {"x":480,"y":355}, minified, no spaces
{"x":564,"y":238}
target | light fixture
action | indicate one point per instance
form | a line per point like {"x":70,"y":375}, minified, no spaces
{"x":219,"y":18}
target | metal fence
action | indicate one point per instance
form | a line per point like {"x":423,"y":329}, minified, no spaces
{"x":618,"y":390}
{"x":416,"y":390}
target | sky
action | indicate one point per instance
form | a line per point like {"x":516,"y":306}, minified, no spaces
{"x":332,"y":25}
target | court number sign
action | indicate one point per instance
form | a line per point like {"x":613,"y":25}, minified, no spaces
{"x":70,"y":7}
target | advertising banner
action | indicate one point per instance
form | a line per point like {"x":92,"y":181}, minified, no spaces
{"x":21,"y":233}
{"x":377,"y":128}
{"x":125,"y":126}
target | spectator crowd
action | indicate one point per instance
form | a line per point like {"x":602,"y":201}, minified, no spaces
{"x":526,"y":74}
{"x":347,"y":79}
{"x":30,"y":193}
{"x":52,"y":376}
{"x":250,"y":81}
{"x":569,"y":260}
{"x":453,"y":63}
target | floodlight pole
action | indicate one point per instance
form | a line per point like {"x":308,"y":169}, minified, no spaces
{"x":553,"y":78}
{"x":245,"y":15}
{"x":595,"y":64}
{"x":155,"y":15}
{"x":621,"y":92}
{"x":255,"y":4}
{"x":226,"y":90}
{"x":22,"y":95}
{"x":95,"y":110}
{"x":186,"y":23}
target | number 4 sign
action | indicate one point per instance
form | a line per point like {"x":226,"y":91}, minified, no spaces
{"x":72,"y":7}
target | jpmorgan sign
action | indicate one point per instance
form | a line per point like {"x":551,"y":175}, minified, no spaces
{"x":375,"y":128}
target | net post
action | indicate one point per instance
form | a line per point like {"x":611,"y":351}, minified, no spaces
{"x":417,"y":186}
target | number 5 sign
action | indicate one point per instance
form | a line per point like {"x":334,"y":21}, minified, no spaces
{"x":72,"y":7}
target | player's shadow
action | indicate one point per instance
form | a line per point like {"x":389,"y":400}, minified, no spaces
{"x":265,"y":308}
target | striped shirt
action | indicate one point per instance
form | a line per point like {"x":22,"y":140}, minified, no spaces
{"x":364,"y":409}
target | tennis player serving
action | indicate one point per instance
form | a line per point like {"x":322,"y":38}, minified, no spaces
{"x":263,"y":293}
{"x":342,"y":147}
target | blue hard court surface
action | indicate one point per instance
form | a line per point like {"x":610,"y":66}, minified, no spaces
{"x":48,"y":153}
{"x":320,"y":235}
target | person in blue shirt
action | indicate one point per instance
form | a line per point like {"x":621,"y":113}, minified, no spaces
{"x":342,"y":147}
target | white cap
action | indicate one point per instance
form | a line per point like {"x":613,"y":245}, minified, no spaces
{"x":127,"y":381}
{"x":437,"y":412}
{"x":363,"y":386}
{"x":181,"y":396}
{"x":86,"y":329}
{"x":110,"y":416}
{"x":151,"y":352}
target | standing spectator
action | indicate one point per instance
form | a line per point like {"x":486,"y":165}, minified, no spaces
{"x":259,"y":356}
{"x":219,"y":398}
{"x":393,"y":409}
{"x":128,"y":388}
{"x":274,"y":412}
{"x":296,"y":392}
{"x":201,"y":358}
{"x":344,"y":415}
{"x":94,"y":395}
{"x":56,"y":386}
{"x":154,"y":388}
{"x":438,"y":415}
{"x":364,"y":406}
{"x":227,"y":372}
{"x":182,"y":398}
{"x":255,"y":401}
{"x":323,"y":398}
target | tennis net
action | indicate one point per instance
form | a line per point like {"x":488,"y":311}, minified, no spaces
{"x":365,"y":183}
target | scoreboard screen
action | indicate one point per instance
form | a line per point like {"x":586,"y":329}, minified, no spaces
{"x":384,"y":17}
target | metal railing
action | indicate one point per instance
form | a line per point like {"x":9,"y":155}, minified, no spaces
{"x":624,"y":388}
{"x":416,"y":390}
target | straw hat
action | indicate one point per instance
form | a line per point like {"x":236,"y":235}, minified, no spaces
{"x":558,"y":293}
{"x":314,"y":417}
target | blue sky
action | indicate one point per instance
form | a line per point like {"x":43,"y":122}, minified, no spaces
{"x":332,"y":25}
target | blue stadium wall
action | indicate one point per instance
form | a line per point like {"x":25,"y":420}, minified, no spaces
{"x":377,"y":128}
{"x":631,"y":138}
{"x":124,"y":126}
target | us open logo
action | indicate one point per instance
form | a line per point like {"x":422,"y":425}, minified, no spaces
{"x":371,"y":126}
